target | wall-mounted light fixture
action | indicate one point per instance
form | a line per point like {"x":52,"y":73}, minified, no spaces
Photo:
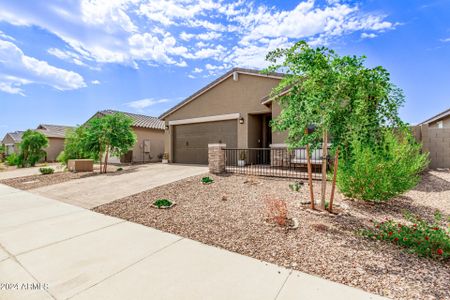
{"x":241,"y":120}
{"x":167,"y":127}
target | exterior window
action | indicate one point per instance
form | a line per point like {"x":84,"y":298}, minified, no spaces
{"x":440,"y":124}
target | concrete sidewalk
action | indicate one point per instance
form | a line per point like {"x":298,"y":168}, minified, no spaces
{"x":78,"y":254}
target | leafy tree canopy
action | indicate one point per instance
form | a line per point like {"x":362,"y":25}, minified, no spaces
{"x":335,"y":93}
{"x":31,"y":148}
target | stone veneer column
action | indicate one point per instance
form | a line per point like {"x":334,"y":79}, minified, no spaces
{"x":216,"y":158}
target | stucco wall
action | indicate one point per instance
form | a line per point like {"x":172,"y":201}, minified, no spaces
{"x":12,"y":147}
{"x":242,"y":96}
{"x":55,"y":146}
{"x":278,"y":137}
{"x":156,"y":138}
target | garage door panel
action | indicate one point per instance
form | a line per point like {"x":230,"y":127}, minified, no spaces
{"x":191,"y":140}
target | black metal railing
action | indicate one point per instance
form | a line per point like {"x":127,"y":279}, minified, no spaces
{"x":274,"y":162}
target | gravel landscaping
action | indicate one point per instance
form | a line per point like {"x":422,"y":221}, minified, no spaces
{"x":230,"y":213}
{"x":36,"y":181}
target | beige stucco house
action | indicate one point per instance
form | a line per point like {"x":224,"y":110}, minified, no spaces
{"x":56,"y":135}
{"x":233,"y":109}
{"x":149,"y":131}
{"x":441,"y":120}
{"x":11,"y":142}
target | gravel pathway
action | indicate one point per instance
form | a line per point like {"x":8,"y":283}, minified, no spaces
{"x":323,"y":245}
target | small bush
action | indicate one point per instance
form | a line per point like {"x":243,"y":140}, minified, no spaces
{"x":277,"y":211}
{"x":12,"y":160}
{"x":420,"y":237}
{"x":162,"y":203}
{"x":119,"y":169}
{"x":378,"y":173}
{"x":45,"y":171}
{"x":207,"y":180}
{"x":295,"y":186}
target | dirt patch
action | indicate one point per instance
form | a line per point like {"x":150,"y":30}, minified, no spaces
{"x":36,"y":181}
{"x":230,"y":213}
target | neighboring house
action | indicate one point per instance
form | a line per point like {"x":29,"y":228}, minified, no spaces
{"x":150,"y":138}
{"x":11,"y":142}
{"x":56,"y":135}
{"x":441,"y":120}
{"x":234,"y":110}
{"x":434,"y":134}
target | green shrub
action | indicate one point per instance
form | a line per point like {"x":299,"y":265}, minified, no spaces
{"x":45,"y":171}
{"x":12,"y":160}
{"x":162,"y":203}
{"x":378,"y":173}
{"x":119,"y":169}
{"x":61,"y":158}
{"x":295,"y":186}
{"x":31,"y":148}
{"x":207,"y":180}
{"x":420,"y":237}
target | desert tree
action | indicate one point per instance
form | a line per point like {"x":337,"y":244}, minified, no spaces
{"x":338,"y":95}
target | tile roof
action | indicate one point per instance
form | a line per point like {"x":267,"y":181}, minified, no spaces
{"x":16,"y":136}
{"x":142,"y":121}
{"x":212,"y":84}
{"x":53,"y":131}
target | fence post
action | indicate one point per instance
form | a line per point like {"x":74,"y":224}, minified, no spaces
{"x":216,"y":158}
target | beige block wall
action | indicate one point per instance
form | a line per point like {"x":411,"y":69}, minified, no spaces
{"x":436,"y":141}
{"x":55,"y":146}
{"x":242,"y":96}
{"x":156,"y":138}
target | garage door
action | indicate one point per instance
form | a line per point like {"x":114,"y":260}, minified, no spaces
{"x":191,"y":140}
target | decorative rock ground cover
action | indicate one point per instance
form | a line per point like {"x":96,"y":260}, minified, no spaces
{"x":231,"y":214}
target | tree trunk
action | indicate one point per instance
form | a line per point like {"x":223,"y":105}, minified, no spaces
{"x":100,"y":160}
{"x":311,"y":191}
{"x":324,"y":168}
{"x":333,"y":187}
{"x":106,"y":160}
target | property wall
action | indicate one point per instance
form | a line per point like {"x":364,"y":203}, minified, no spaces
{"x":436,"y":141}
{"x":55,"y":146}
{"x":156,"y":138}
{"x":445,"y":123}
{"x":242,"y":96}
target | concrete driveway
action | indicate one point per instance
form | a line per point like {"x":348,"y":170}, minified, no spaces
{"x":53,"y":250}
{"x":93,"y":191}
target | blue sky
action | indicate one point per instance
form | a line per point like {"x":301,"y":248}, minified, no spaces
{"x":61,"y":61}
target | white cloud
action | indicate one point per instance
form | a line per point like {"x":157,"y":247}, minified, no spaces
{"x":4,"y":36}
{"x":19,"y":69}
{"x":445,"y":40}
{"x":368,"y":35}
{"x":201,"y":36}
{"x":197,"y":70}
{"x":172,"y":32}
{"x":145,"y":103}
{"x":95,"y":82}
